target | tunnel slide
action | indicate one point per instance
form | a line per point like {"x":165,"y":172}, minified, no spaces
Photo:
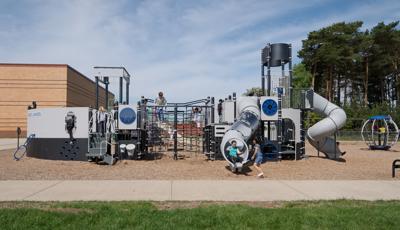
{"x":319,"y":135}
{"x":242,"y":130}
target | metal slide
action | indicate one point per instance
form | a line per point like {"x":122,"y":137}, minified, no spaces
{"x":242,"y":130}
{"x":319,"y":135}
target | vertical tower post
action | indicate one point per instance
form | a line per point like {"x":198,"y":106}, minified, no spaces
{"x":106,"y":86}
{"x":120,"y":90}
{"x":269,"y":85}
{"x":269,"y":70}
{"x":212,"y":110}
{"x":127,"y":92}
{"x":176,"y":132}
{"x":234,"y":105}
{"x":97,"y":93}
{"x":289,"y":94}
{"x":262,"y":72}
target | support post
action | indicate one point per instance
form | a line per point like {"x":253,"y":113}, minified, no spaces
{"x":269,"y":72}
{"x":234,"y":105}
{"x":18,"y":135}
{"x":97,"y":93}
{"x":334,"y":136}
{"x":269,"y":85}
{"x":176,"y":132}
{"x":279,"y":126}
{"x":127,"y":92}
{"x":289,"y":94}
{"x":212,"y":110}
{"x":106,"y":82}
{"x":262,"y":72}
{"x":120,"y":90}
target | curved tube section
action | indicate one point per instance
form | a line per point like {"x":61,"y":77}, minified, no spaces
{"x":319,"y":134}
{"x":242,"y":130}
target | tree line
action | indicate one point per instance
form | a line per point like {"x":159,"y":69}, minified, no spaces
{"x":351,"y":66}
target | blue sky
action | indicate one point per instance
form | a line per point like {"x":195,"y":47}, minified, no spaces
{"x":188,"y":49}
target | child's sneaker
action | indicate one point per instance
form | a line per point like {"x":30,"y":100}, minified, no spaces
{"x":260,"y":175}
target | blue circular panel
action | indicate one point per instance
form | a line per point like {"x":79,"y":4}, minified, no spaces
{"x":269,"y":107}
{"x":127,"y":116}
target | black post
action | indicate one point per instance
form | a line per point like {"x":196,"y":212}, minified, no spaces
{"x":269,"y":72}
{"x":127,"y":92}
{"x":234,"y":105}
{"x":120,"y":90}
{"x":175,"y":132}
{"x":18,"y":135}
{"x":97,"y":93}
{"x":269,"y":85}
{"x":139,"y":115}
{"x":205,"y":116}
{"x":290,"y":76}
{"x":279,"y":127}
{"x":262,"y":72}
{"x":106,"y":86}
{"x":334,"y":136}
{"x":212,"y":110}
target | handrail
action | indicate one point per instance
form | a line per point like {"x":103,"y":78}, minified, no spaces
{"x":25,"y":145}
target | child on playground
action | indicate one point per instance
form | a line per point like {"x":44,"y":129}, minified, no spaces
{"x":161,"y":102}
{"x":102,"y":118}
{"x":196,"y":116}
{"x":234,"y":152}
{"x":258,"y":158}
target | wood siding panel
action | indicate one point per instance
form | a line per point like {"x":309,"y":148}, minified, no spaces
{"x":22,"y":84}
{"x":82,"y":91}
{"x":47,"y":84}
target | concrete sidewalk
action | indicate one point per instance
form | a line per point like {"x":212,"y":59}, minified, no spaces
{"x":195,"y":190}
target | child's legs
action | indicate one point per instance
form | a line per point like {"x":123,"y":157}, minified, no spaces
{"x":258,"y":168}
{"x":159,"y":114}
{"x":238,"y":159}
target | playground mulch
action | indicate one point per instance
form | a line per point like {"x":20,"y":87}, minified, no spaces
{"x":358,"y":163}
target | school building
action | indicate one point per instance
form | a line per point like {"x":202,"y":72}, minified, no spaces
{"x":50,"y":85}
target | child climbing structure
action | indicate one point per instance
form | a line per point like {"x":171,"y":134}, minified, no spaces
{"x":277,"y":117}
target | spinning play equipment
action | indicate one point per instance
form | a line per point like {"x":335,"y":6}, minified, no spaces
{"x":380,"y":132}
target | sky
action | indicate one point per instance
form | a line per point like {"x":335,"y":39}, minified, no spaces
{"x":187,"y":49}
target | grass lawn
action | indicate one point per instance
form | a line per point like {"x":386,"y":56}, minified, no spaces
{"x":341,"y":214}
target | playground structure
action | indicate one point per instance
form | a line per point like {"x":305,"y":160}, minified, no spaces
{"x":380,"y":132}
{"x":133,"y":131}
{"x":276,"y":118}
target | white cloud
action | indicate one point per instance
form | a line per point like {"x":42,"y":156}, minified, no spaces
{"x":189,"y":50}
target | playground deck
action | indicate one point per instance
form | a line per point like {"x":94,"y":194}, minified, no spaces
{"x":358,"y":164}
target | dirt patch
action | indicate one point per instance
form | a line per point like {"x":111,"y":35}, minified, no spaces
{"x":170,"y":205}
{"x":359,"y":164}
{"x":67,"y":210}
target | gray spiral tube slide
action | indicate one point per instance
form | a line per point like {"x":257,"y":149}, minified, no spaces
{"x":319,"y":135}
{"x":242,"y":129}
